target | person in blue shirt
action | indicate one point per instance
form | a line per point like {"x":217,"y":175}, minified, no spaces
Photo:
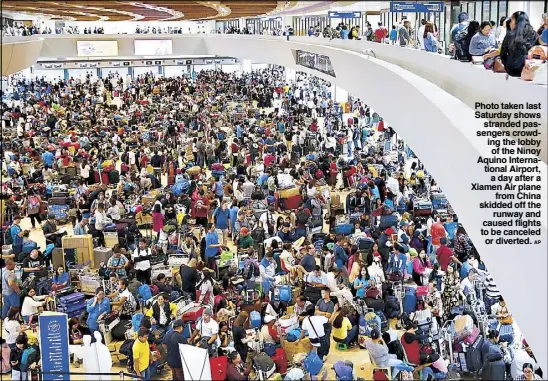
{"x":97,"y":308}
{"x":393,"y":35}
{"x":281,"y":127}
{"x":234,"y":209}
{"x":269,"y":145}
{"x":16,"y":236}
{"x":361,"y":283}
{"x":61,"y":277}
{"x":340,"y":254}
{"x":221,"y":216}
{"x":261,"y":181}
{"x":48,"y":159}
{"x":317,"y":278}
{"x":212,"y":246}
{"x":398,"y":260}
{"x":308,"y":262}
{"x":466,"y":266}
{"x":219,"y":189}
{"x":238,"y":131}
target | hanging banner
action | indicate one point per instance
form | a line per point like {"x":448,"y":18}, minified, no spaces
{"x":344,"y":15}
{"x":413,"y":7}
{"x":54,"y":345}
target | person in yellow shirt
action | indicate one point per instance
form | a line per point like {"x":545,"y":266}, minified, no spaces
{"x":343,"y":332}
{"x":141,"y":354}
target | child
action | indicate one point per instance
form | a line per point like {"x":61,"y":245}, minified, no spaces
{"x":393,"y":35}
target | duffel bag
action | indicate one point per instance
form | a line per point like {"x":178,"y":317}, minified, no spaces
{"x":119,"y":332}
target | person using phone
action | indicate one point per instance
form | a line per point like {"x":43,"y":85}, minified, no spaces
{"x":97,"y":307}
{"x":33,"y":263}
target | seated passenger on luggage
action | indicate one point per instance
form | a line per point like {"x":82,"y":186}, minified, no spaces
{"x":500,"y":311}
{"x":236,"y":370}
{"x":343,"y":331}
{"x":268,"y":332}
{"x":411,"y":342}
{"x":245,"y":240}
{"x":482,"y":42}
{"x":379,"y":353}
{"x":299,"y":309}
{"x":161,"y":283}
{"x":162,"y":312}
{"x":392,"y":304}
{"x":206,"y":333}
{"x":123,"y":300}
{"x":316,"y":278}
{"x":33,"y":263}
{"x":398,"y":260}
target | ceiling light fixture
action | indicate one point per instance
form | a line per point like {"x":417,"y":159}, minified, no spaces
{"x":174,"y":14}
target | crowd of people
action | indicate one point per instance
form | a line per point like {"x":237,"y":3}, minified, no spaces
{"x":291,"y":225}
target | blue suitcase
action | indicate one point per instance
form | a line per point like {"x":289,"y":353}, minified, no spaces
{"x":67,"y":308}
{"x":439,"y":201}
{"x":409,"y":300}
{"x":344,"y":229}
{"x":71,"y":298}
{"x":506,"y":332}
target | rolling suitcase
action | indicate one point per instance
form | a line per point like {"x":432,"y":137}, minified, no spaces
{"x":506,"y":332}
{"x":422,"y":208}
{"x":344,"y":229}
{"x":105,"y":178}
{"x":219,"y":367}
{"x":193,"y":314}
{"x":71,"y":298}
{"x":473,"y":355}
{"x":473,"y":336}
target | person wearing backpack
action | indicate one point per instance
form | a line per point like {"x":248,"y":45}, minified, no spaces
{"x":141,"y":257}
{"x":32,"y":204}
{"x":18,"y":369}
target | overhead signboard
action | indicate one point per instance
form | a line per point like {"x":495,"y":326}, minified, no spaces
{"x":416,"y":7}
{"x":344,"y":15}
{"x":315,"y":61}
{"x":97,"y":48}
{"x":153,"y":47}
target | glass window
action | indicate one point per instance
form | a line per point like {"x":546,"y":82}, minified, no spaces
{"x":503,"y":11}
{"x":494,"y":11}
{"x":486,"y":13}
{"x":479,"y":15}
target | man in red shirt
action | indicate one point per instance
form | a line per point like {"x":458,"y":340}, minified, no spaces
{"x":445,"y":255}
{"x":437,"y":231}
{"x":380,"y":33}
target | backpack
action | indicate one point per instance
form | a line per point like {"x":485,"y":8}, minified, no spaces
{"x":145,"y":292}
{"x":461,"y":51}
{"x":28,"y":357}
{"x":7,"y":237}
{"x":250,"y":270}
{"x":302,"y":217}
{"x":154,"y":289}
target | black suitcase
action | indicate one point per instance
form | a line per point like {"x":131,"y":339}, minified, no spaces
{"x":114,"y":177}
{"x":119,"y":332}
{"x":474,"y":357}
{"x":376,"y":304}
{"x":59,"y":201}
{"x":313,"y":294}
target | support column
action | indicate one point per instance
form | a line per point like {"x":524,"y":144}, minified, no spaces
{"x":290,"y":75}
{"x":340,"y":95}
{"x":246,"y":66}
{"x":66,"y":74}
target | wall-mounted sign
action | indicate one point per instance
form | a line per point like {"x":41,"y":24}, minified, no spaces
{"x":126,"y":63}
{"x":93,"y":64}
{"x":344,"y":15}
{"x":148,"y":62}
{"x":315,"y":61}
{"x":189,"y":62}
{"x":157,"y":62}
{"x":97,"y":48}
{"x":415,"y":7}
{"x":153,"y":47}
{"x":57,"y":66}
{"x":116,"y":64}
{"x":83,"y":65}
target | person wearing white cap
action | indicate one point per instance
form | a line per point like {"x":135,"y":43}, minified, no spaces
{"x":268,"y":332}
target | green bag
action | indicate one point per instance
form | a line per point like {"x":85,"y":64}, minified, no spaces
{"x":227,"y":255}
